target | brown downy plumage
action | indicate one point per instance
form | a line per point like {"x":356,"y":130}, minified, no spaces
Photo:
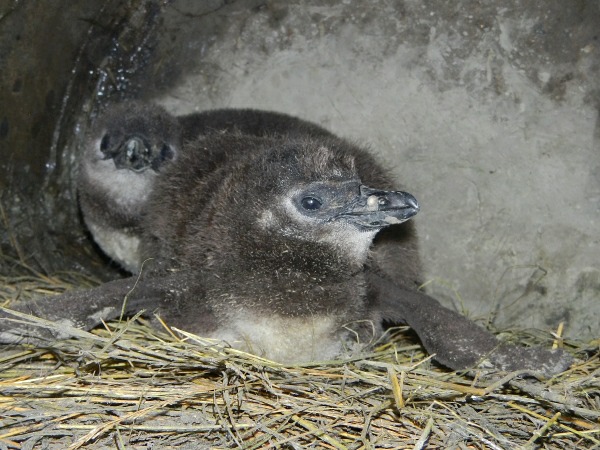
{"x":265,"y":231}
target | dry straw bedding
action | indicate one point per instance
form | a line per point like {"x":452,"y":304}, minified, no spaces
{"x":129,"y":386}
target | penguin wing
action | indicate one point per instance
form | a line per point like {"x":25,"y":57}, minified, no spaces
{"x":454,"y":340}
{"x":172,"y":295}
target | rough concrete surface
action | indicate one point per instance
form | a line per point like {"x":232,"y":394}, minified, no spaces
{"x":486,"y":111}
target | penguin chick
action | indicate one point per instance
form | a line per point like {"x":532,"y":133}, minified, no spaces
{"x":284,"y":227}
{"x":273,"y":235}
{"x":122,"y":157}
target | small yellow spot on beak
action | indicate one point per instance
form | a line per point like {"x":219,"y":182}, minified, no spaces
{"x":392,"y":220}
{"x":372,"y":203}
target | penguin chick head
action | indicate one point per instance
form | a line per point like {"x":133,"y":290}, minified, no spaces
{"x":314,"y":206}
{"x":344,"y":214}
{"x":123,"y":153}
{"x":137,"y":137}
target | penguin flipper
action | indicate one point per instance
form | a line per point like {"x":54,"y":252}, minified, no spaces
{"x":46,"y":319}
{"x":455,"y":341}
{"x":164,"y":292}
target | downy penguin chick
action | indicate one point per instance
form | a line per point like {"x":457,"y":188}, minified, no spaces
{"x":273,"y":208}
{"x":121,"y":160}
{"x":284,"y":227}
{"x":265,"y":231}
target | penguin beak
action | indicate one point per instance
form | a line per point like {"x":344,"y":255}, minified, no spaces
{"x":134,"y":154}
{"x":377,"y":209}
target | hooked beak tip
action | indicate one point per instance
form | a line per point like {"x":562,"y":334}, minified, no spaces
{"x":412,"y":202}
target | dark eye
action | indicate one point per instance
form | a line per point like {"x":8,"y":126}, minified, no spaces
{"x":310,"y":203}
{"x":104,"y":143}
{"x":166,"y":152}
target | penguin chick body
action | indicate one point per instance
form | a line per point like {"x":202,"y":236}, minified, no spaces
{"x":284,"y":226}
{"x":267,"y":232}
{"x":117,"y":172}
{"x":274,"y":212}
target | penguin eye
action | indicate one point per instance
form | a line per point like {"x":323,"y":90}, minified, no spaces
{"x":166,"y":152}
{"x":104,"y":143}
{"x":311,"y":203}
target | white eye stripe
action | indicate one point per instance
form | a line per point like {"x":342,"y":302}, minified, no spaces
{"x":349,"y":240}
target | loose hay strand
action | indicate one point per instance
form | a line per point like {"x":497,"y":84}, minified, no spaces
{"x":397,"y":388}
{"x":420,"y":444}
